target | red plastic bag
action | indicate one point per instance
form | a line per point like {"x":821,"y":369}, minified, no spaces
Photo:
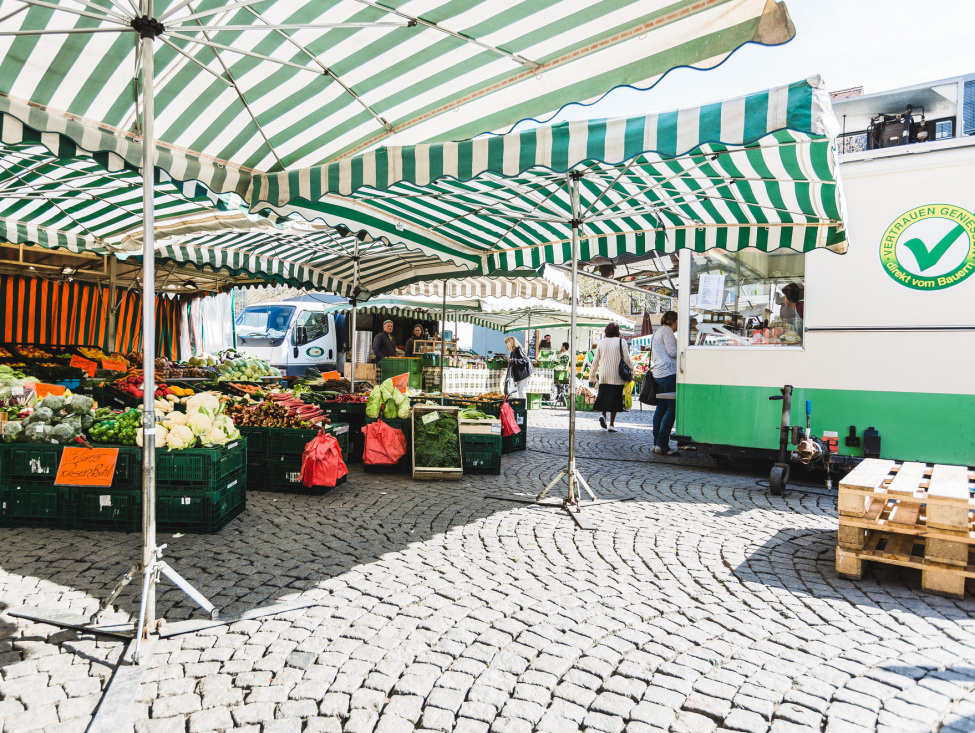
{"x":321,"y":462}
{"x":509,"y":426}
{"x":385,"y":445}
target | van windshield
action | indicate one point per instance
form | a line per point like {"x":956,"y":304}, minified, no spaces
{"x":264,"y":321}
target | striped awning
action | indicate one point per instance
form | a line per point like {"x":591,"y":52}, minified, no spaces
{"x":548,"y":284}
{"x":516,"y":314}
{"x":757,"y":171}
{"x":74,"y":204}
{"x":266,"y":85}
{"x":500,"y":314}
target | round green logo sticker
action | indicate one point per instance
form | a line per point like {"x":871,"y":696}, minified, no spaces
{"x":315,"y":351}
{"x":931,"y":247}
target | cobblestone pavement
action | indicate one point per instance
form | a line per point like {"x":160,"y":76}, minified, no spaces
{"x":703,"y":604}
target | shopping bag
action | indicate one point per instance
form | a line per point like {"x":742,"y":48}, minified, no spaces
{"x":321,"y":461}
{"x":401,"y":382}
{"x":648,"y":392}
{"x":628,"y":396}
{"x":509,"y":426}
{"x":384,"y":446}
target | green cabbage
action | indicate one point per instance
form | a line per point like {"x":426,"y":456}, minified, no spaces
{"x":373,"y":403}
{"x":38,"y":433}
{"x":79,"y":404}
{"x":53,"y":402}
{"x":12,"y":431}
{"x":42,"y":415}
{"x":63,"y":433}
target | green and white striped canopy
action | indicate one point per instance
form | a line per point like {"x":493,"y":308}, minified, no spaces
{"x":501,"y":314}
{"x":549,"y":284}
{"x":266,"y":85}
{"x":74,"y":204}
{"x":757,"y":171}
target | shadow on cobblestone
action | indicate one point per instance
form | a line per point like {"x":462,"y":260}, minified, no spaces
{"x":706,"y":603}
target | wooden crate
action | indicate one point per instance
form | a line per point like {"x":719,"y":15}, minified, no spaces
{"x":435,"y":473}
{"x":480,"y":427}
{"x":911,"y":515}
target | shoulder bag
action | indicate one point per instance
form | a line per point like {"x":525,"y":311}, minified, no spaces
{"x":626,"y":373}
{"x":648,"y":392}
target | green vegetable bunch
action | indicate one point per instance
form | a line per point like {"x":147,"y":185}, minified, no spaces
{"x":437,"y":444}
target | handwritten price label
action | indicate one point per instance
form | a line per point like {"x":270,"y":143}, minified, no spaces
{"x":86,"y":364}
{"x":115,"y":365}
{"x":43,"y":390}
{"x":87,"y":467}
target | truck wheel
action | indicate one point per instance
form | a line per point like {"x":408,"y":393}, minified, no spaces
{"x":778,"y":479}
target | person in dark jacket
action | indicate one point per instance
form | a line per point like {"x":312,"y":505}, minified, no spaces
{"x":382,"y":345}
{"x":411,"y":341}
{"x":519,"y":367}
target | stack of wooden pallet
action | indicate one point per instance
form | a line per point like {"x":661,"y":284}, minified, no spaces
{"x":909,"y":514}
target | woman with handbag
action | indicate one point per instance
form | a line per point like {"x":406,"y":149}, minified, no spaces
{"x":520,"y":370}
{"x":615,"y":368}
{"x":663,"y":356}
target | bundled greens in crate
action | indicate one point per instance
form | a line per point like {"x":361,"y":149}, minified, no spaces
{"x":436,"y":443}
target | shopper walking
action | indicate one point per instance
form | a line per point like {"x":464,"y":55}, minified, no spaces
{"x":519,"y":368}
{"x":663,"y":357}
{"x":610,"y":352}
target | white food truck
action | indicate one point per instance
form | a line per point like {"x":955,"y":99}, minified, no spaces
{"x":293,"y":335}
{"x":879,"y":341}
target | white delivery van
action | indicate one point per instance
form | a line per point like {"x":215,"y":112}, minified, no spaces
{"x":291,"y":335}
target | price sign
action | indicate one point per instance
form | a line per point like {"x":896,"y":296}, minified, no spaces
{"x":43,"y":390}
{"x":87,"y":467}
{"x":86,"y":364}
{"x":115,"y":365}
{"x":430,"y":417}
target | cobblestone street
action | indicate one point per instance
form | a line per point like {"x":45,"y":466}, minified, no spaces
{"x":703,"y":604}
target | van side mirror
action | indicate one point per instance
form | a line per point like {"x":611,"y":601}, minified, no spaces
{"x":301,"y":335}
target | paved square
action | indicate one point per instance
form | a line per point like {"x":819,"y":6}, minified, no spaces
{"x":703,"y":604}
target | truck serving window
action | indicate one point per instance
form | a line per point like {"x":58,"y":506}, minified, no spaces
{"x":748,"y":298}
{"x":264,"y":321}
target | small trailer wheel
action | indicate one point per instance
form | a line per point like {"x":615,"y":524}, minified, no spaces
{"x":778,"y":479}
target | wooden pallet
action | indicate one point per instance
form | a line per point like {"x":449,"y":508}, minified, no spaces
{"x":911,"y":515}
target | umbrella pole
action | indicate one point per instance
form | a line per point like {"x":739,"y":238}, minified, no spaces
{"x":355,"y":307}
{"x":571,"y":473}
{"x":443,"y":333}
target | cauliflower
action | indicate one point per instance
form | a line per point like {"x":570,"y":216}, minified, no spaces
{"x":215,"y":437}
{"x":226,"y":424}
{"x":209,"y":401}
{"x":175,"y":418}
{"x":179,"y":437}
{"x":199,"y":423}
{"x":161,"y":433}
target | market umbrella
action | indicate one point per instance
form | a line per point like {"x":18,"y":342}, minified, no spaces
{"x":275,"y":84}
{"x":757,"y":171}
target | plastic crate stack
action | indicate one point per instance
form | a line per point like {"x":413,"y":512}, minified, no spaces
{"x":198,"y":490}
{"x":354,"y":415}
{"x":509,"y":443}
{"x":275,"y":462}
{"x":393,"y":366}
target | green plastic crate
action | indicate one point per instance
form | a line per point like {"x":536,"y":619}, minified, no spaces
{"x":285,"y":477}
{"x":534,"y":401}
{"x":393,"y":366}
{"x":582,"y":405}
{"x":34,"y":506}
{"x":514,"y":443}
{"x":37,"y":463}
{"x":482,"y":454}
{"x":292,"y":442}
{"x":118,"y":510}
{"x":258,"y":441}
{"x":201,"y":513}
{"x":202,"y":469}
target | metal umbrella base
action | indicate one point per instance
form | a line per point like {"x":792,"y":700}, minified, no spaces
{"x":572,"y":504}
{"x":112,"y":712}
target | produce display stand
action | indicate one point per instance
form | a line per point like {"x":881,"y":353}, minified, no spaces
{"x":200,"y":490}
{"x":435,"y":473}
{"x":909,"y":514}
